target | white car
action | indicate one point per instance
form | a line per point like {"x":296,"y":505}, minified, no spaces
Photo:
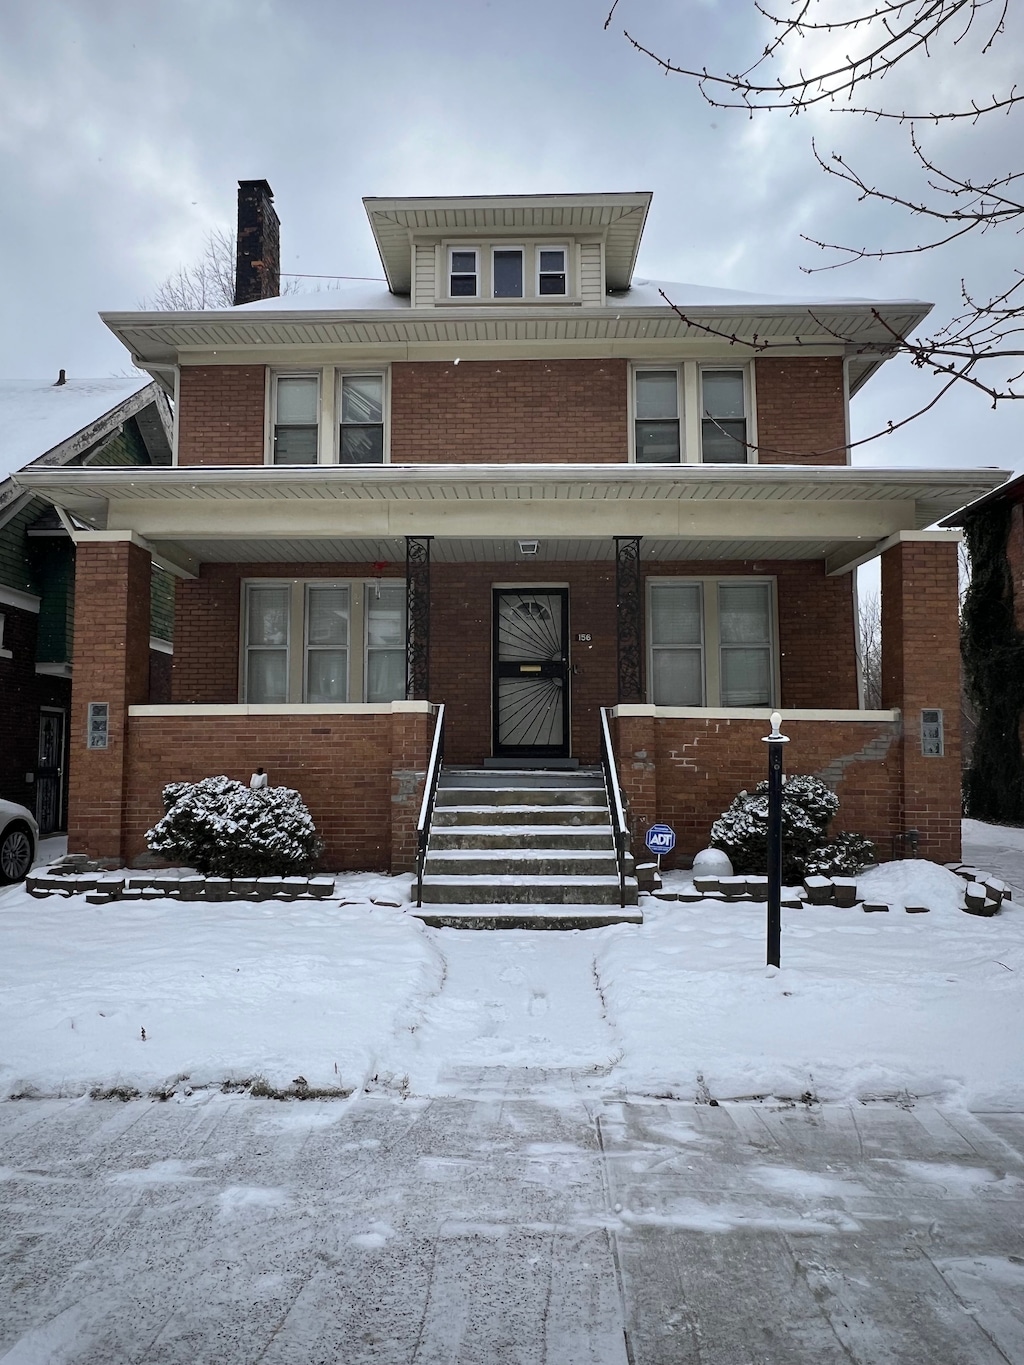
{"x":19,"y":839}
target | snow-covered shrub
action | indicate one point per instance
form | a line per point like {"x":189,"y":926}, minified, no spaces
{"x":808,"y":806}
{"x":224,"y":829}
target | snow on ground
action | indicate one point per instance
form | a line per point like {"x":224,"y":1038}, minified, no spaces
{"x":363,"y":996}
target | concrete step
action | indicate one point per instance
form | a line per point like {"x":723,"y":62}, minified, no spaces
{"x":527,"y":917}
{"x":519,"y":779}
{"x":446,"y":816}
{"x":498,"y":889}
{"x":568,"y":837}
{"x":517,"y":796}
{"x":521,"y":862}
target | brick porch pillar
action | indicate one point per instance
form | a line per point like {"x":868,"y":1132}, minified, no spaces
{"x":921,"y":671}
{"x":111,"y":665}
{"x":634,"y":740}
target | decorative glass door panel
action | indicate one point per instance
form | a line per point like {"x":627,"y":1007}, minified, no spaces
{"x":50,"y":772}
{"x":531,"y":673}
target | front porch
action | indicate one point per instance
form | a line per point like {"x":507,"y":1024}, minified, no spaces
{"x":322,"y":615}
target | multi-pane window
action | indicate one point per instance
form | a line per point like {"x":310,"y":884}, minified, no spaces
{"x":324,"y":641}
{"x":723,"y":417}
{"x":507,"y":272}
{"x":328,"y":416}
{"x":711,"y":642}
{"x":361,"y":428}
{"x":296,"y":418}
{"x":463,"y":277}
{"x":552,"y":276}
{"x":657,"y":416}
{"x":267,"y":625}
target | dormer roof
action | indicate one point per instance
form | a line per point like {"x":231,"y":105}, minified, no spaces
{"x":616,"y":218}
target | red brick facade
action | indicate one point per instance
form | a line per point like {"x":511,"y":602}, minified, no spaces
{"x":221,"y":410}
{"x":509,"y":412}
{"x":921,"y":669}
{"x":685,"y":772}
{"x":360,"y":775}
{"x":801,"y":410}
{"x":516,"y":412}
{"x":112,"y":604}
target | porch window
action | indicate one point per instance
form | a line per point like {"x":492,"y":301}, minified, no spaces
{"x":723,"y":417}
{"x":711,"y":642}
{"x":656,"y":404}
{"x":324,"y":641}
{"x":296,"y":418}
{"x":361,"y":405}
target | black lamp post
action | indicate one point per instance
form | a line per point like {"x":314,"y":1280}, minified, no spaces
{"x":775,"y":741}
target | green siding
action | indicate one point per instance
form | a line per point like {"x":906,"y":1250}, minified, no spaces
{"x":15,"y":565}
{"x":162,"y":605}
{"x":54,"y":561}
{"x":126,"y":448}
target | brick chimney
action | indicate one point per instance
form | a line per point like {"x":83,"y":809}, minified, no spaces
{"x":258,"y":246}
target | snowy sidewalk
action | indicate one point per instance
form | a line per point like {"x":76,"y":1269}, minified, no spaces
{"x":222,"y":1230}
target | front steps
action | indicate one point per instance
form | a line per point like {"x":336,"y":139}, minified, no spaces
{"x":523,"y":849}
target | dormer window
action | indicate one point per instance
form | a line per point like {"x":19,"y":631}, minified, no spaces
{"x":551,"y":272}
{"x":508,"y":272}
{"x":463,"y":274}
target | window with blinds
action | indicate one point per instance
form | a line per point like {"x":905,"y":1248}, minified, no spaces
{"x":711,"y":642}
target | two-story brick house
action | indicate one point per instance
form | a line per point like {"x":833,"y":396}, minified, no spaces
{"x":514,"y":480}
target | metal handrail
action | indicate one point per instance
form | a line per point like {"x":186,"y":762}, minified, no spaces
{"x":611,"y":781}
{"x":433,"y":772}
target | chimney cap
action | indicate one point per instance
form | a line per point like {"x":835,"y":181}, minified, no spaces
{"x":257,"y":185}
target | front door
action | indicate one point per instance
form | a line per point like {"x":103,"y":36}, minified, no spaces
{"x":531,"y":673}
{"x":50,"y":772}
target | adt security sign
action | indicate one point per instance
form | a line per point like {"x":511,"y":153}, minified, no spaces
{"x":661,"y":839}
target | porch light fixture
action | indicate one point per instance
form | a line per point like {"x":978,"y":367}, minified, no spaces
{"x":529,"y":547}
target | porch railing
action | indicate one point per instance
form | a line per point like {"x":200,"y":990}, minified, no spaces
{"x":427,"y":804}
{"x":611,"y":781}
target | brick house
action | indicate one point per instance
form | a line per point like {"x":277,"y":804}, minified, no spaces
{"x":515,"y":480}
{"x":73,"y":423}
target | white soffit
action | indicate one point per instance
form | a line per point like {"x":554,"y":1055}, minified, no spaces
{"x":617,"y":218}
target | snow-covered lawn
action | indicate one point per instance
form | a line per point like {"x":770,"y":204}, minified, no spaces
{"x":362,"y":996}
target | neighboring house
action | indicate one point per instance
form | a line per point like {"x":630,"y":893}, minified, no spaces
{"x":70,"y":424}
{"x":514,"y":480}
{"x":992,"y":643}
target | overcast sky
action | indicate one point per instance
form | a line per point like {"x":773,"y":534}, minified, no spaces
{"x":124,"y":128}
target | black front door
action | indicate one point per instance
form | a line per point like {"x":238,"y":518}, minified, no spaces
{"x":531,"y":673}
{"x":50,"y":772}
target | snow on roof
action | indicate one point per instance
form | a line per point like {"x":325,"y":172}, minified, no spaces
{"x":369,"y":296}
{"x":35,"y":417}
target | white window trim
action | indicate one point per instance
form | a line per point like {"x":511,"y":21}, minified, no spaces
{"x":689,"y":403}
{"x":530,"y":248}
{"x":711,"y":643}
{"x":328,"y":430}
{"x":480,"y":255}
{"x":537,"y":272}
{"x":358,"y":642}
{"x":4,"y":652}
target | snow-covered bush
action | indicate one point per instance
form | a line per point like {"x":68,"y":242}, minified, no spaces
{"x":808,"y":806}
{"x":224,"y":829}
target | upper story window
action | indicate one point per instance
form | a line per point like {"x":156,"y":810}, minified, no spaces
{"x":711,"y":642}
{"x":323,"y":641}
{"x":361,"y":429}
{"x":692,"y":413}
{"x":328,"y":417}
{"x":723,"y":417}
{"x":296,"y":418}
{"x":463,"y":273}
{"x":657,"y":407}
{"x":501,"y":270}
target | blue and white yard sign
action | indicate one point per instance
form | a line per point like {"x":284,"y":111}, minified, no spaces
{"x":661,"y":839}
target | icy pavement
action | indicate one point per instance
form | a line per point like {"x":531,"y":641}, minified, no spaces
{"x":221,"y":1229}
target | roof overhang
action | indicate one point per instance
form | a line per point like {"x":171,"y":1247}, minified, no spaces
{"x":479,"y":512}
{"x":618,"y":219}
{"x":864,"y":332}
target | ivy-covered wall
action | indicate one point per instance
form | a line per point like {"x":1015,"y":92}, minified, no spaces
{"x":993,"y":656}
